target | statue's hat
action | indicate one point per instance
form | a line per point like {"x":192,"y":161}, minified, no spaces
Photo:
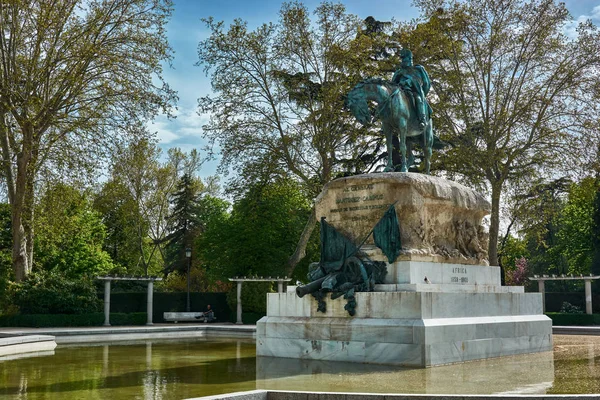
{"x":405,"y":53}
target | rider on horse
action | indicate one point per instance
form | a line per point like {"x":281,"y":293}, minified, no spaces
{"x":415,"y":80}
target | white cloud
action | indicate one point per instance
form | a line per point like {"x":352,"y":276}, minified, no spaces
{"x":190,"y":122}
{"x":570,"y":28}
{"x":186,"y":128}
{"x":163,"y":131}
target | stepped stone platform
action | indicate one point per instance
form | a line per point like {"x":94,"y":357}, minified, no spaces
{"x":419,"y":328}
{"x":11,"y":345}
{"x":439,"y":303}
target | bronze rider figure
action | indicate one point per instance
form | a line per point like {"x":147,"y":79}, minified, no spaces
{"x":415,"y":79}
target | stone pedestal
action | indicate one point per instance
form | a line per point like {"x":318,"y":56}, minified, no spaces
{"x":440,"y":303}
{"x":440,"y":220}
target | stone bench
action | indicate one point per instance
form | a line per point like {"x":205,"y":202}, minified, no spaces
{"x":183,"y":316}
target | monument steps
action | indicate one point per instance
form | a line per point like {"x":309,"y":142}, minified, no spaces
{"x":450,"y":288}
{"x":439,"y":302}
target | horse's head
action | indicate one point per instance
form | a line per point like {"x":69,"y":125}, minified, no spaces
{"x":357,"y":104}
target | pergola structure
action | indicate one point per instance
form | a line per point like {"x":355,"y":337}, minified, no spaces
{"x":588,"y":287}
{"x":108,"y":279}
{"x":241,"y":280}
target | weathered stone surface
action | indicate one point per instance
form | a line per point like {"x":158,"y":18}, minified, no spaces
{"x":410,"y":305}
{"x":439,"y":303}
{"x":415,"y":272}
{"x":408,"y":342}
{"x":440,"y":220}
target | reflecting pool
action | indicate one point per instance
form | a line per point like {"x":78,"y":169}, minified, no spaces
{"x":162,"y":369}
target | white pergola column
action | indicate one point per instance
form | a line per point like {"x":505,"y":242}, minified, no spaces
{"x":239,"y":303}
{"x":149,"y":308}
{"x":279,"y":286}
{"x":542,"y":290}
{"x":588,"y":296}
{"x":107,"y":303}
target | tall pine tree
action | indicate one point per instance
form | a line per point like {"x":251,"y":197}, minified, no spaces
{"x":184,"y":222}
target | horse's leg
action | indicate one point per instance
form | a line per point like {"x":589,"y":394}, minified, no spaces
{"x":390,"y":147}
{"x":410,"y":157}
{"x":428,"y":145}
{"x":402,"y":131}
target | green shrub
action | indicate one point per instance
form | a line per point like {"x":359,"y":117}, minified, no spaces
{"x":60,"y":320}
{"x":568,"y":308}
{"x":52,"y":293}
{"x":562,"y":319}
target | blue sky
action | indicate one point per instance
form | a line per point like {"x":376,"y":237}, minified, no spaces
{"x":185,"y":31}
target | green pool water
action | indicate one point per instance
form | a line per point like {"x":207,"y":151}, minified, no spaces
{"x":183,"y":369}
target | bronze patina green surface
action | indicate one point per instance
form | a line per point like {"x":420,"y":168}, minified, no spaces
{"x":192,"y":368}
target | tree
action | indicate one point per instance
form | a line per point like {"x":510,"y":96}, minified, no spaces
{"x":540,"y":221}
{"x":5,"y":255}
{"x":258,"y":235}
{"x":143,"y":183}
{"x":277,"y":108}
{"x":73,"y":76}
{"x":70,"y":234}
{"x":121,"y":216}
{"x":184,"y":221}
{"x":516,"y":95}
{"x":575,"y":238}
{"x":596,"y":231}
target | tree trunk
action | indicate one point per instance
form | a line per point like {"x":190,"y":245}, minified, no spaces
{"x":20,"y":205}
{"x":495,"y":224}
{"x":19,"y":247}
{"x":302,"y":243}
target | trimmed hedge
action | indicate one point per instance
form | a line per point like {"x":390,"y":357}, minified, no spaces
{"x":554,"y":300}
{"x":60,"y":320}
{"x":249,"y":318}
{"x":563,"y":319}
{"x":132,"y":302}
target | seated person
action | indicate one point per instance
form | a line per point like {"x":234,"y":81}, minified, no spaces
{"x":208,"y":315}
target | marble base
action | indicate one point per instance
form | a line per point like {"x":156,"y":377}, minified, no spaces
{"x":522,"y":374}
{"x":26,"y":344}
{"x":417,"y":329}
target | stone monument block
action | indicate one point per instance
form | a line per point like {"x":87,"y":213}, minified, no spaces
{"x":439,"y":302}
{"x":440,"y":220}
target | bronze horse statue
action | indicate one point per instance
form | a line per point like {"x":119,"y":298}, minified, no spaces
{"x":397,"y":114}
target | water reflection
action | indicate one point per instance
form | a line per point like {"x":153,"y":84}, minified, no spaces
{"x":199,"y":367}
{"x":577,"y":364}
{"x":531,"y":373}
{"x":143,"y":370}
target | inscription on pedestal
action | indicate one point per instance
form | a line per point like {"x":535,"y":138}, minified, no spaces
{"x":349,"y":204}
{"x":459,"y":271}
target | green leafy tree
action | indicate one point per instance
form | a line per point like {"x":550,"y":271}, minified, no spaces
{"x":141,"y":185}
{"x":541,"y":224}
{"x":6,"y":273}
{"x":259,"y":234}
{"x":514,"y":249}
{"x":210,"y":211}
{"x":70,"y":234}
{"x":120,"y":216}
{"x":596,"y":231}
{"x":277,"y":108}
{"x":74,"y":75}
{"x":575,"y":237}
{"x":516,"y":94}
